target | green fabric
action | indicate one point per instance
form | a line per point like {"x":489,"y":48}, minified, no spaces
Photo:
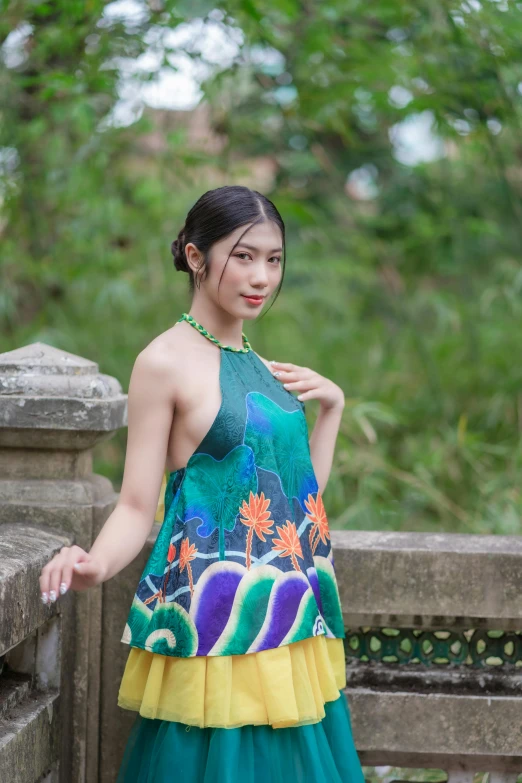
{"x":243,"y":560}
{"x":163,"y":752}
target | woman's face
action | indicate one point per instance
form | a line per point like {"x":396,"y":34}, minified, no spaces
{"x":253,"y":269}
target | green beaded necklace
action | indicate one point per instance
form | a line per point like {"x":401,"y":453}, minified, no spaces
{"x":192,"y":321}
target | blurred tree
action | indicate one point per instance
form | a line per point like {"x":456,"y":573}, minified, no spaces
{"x":408,"y":254}
{"x":394,"y":131}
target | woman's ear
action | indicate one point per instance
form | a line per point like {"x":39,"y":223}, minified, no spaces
{"x":194,"y":258}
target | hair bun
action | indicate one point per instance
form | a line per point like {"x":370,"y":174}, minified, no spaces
{"x":178,"y":251}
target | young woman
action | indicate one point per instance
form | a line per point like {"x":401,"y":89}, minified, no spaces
{"x":236,"y":663}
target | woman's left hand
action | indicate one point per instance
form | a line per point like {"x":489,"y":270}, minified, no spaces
{"x":309,"y":384}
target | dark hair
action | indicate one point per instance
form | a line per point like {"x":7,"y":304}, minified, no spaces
{"x":215,"y":215}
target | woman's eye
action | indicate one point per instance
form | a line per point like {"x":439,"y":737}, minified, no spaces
{"x":240,"y":255}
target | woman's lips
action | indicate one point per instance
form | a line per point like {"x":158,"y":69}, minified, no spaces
{"x":253,"y":299}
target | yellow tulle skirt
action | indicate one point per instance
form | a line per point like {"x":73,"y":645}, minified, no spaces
{"x":285,"y":686}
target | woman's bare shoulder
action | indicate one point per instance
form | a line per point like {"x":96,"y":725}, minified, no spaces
{"x":169,"y":351}
{"x":177,"y":359}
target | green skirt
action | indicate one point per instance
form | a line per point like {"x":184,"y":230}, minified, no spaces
{"x":161,"y":751}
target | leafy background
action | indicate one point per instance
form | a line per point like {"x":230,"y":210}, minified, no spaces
{"x":403,"y":274}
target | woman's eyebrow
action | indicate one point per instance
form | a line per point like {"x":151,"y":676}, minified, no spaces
{"x":250,"y":247}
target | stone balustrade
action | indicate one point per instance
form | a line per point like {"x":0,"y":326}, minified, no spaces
{"x":434,"y":649}
{"x":54,"y":408}
{"x":30,"y":636}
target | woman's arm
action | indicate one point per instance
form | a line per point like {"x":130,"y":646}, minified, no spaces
{"x":150,"y":410}
{"x":312,"y":386}
{"x":322,"y":442}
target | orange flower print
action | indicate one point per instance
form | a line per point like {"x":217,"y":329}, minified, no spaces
{"x":186,"y":554}
{"x":255,"y":516}
{"x":317,"y":513}
{"x":289,"y":544}
{"x":161,"y":594}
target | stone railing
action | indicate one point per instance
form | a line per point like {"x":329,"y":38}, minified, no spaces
{"x":54,"y":408}
{"x":434,"y":626}
{"x":30,"y":638}
{"x":434,"y":649}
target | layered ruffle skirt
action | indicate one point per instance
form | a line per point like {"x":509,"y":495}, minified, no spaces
{"x":275,"y":716}
{"x":268,"y":717}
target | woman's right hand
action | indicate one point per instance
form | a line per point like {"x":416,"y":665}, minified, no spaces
{"x":72,"y":567}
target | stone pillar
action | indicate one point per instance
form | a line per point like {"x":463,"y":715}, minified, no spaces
{"x":54,"y":408}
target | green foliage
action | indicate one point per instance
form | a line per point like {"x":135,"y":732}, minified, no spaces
{"x":407,"y":295}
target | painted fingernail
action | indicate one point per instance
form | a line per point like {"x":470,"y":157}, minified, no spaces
{"x":63,"y":588}
{"x":286,"y":384}
{"x":45,"y":598}
{"x":276,"y":374}
{"x":52,"y":596}
{"x":273,"y":361}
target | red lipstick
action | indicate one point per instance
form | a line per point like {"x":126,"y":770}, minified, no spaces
{"x":255,"y":300}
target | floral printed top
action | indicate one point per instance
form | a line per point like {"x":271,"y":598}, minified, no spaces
{"x":243,"y":560}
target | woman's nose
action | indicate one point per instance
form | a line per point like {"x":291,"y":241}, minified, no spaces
{"x":259,"y":277}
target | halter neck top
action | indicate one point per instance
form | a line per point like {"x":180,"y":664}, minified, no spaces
{"x":243,"y":560}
